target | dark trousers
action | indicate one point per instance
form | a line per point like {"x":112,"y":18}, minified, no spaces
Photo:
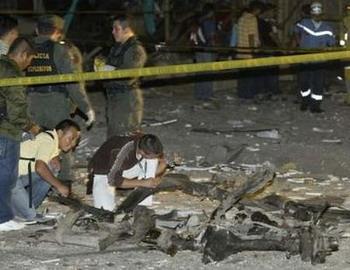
{"x":311,"y":81}
{"x":249,"y":83}
{"x":269,"y":81}
{"x":204,"y":86}
{"x":9,"y":157}
{"x":124,"y":111}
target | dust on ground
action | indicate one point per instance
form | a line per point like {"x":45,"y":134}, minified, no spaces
{"x":310,"y":153}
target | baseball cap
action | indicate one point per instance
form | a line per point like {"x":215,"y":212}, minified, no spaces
{"x":51,"y":21}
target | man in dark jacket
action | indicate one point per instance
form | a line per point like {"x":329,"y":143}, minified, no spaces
{"x":13,"y":121}
{"x":125,"y":162}
{"x":124,"y":97}
{"x":51,"y":104}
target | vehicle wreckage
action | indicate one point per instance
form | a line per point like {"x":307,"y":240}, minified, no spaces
{"x":239,"y":222}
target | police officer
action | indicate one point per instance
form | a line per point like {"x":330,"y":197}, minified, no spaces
{"x":313,"y":33}
{"x":51,"y":103}
{"x":124,"y":97}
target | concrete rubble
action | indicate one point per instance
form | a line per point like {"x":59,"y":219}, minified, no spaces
{"x":310,"y":174}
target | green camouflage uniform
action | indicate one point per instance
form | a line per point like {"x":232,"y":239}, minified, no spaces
{"x":124,"y":97}
{"x":13,"y":99}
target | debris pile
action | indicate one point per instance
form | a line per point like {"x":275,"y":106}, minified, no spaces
{"x":239,"y":222}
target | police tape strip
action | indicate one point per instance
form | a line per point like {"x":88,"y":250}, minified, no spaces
{"x":176,"y":69}
{"x":256,"y":51}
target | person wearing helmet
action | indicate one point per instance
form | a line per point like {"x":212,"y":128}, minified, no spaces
{"x":313,"y":33}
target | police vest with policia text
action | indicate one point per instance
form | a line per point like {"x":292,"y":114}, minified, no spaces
{"x":43,"y":62}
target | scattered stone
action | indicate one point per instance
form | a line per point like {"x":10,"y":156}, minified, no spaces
{"x":335,"y":141}
{"x":252,"y":149}
{"x":319,"y":130}
{"x":193,"y":221}
{"x":270,"y":134}
{"x":288,"y":167}
{"x":217,"y":154}
{"x":235,"y":124}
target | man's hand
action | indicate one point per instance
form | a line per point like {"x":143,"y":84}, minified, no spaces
{"x":63,"y":190}
{"x":55,"y":164}
{"x":152,"y":182}
{"x":91,"y":117}
{"x":34,"y":130}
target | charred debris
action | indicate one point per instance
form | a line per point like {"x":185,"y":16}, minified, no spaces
{"x":239,"y":222}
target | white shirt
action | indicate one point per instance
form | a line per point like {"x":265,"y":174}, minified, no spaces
{"x":4,"y":48}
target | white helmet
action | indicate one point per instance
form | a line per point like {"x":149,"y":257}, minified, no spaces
{"x":316,"y":8}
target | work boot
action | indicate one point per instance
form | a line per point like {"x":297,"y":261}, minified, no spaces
{"x":305,"y":102}
{"x":316,"y":107}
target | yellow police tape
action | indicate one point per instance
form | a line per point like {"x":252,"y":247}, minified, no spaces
{"x":177,"y":69}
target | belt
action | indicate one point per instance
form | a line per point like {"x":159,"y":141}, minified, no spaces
{"x":120,"y":89}
{"x":46,"y":90}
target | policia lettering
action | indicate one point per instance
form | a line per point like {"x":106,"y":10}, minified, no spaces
{"x":43,"y":62}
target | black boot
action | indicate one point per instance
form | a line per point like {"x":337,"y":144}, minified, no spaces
{"x":316,"y":107}
{"x":305,"y":102}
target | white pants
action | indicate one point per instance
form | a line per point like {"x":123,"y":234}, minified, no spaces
{"x":104,"y":194}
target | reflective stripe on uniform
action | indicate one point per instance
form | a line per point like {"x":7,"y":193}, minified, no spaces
{"x":313,"y":33}
{"x":316,"y":97}
{"x":201,"y":35}
{"x":305,"y":93}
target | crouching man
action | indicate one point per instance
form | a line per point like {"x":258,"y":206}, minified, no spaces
{"x":42,"y":154}
{"x":125,"y":162}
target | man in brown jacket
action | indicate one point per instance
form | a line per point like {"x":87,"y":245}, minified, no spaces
{"x":125,"y":162}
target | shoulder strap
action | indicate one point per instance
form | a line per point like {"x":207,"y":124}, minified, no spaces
{"x":118,"y":53}
{"x":33,"y":159}
{"x":50,"y":134}
{"x":128,"y":44}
